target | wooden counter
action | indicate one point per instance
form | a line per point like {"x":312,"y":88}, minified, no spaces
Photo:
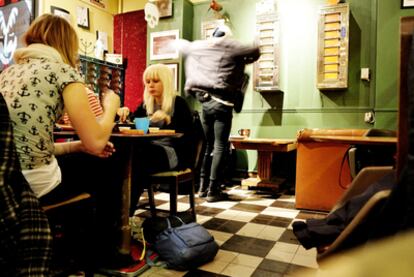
{"x":323,"y":172}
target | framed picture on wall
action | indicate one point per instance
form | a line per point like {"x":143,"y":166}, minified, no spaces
{"x":162,"y":45}
{"x":174,"y":70}
{"x":15,"y":20}
{"x":82,"y":17}
{"x":405,"y":4}
{"x":165,"y":7}
{"x":60,"y":12}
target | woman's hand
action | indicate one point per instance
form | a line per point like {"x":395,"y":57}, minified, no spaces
{"x":123,"y":114}
{"x":108,"y":150}
{"x":161,"y":116}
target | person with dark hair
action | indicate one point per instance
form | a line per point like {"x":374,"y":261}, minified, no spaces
{"x":214,"y":71}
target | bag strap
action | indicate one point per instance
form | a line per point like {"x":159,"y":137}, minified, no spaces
{"x":179,"y":219}
{"x":144,"y":245}
{"x":168,"y":223}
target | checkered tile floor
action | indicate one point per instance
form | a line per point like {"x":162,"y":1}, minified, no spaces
{"x":254,"y":232}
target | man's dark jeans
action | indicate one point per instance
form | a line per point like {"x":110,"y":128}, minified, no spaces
{"x":216,"y":122}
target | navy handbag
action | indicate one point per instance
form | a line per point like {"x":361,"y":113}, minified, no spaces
{"x":186,"y":246}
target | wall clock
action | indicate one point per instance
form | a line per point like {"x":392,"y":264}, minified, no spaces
{"x":82,"y":17}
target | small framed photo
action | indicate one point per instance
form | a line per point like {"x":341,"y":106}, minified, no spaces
{"x":406,"y":4}
{"x":208,"y":27}
{"x":174,"y":70}
{"x":82,"y":17}
{"x":162,"y":45}
{"x":60,"y":12}
{"x":165,"y":7}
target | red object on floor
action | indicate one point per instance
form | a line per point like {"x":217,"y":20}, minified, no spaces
{"x":135,"y":269}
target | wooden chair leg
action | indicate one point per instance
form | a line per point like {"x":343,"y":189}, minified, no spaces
{"x":151,"y":200}
{"x":173,"y":197}
{"x":192,"y":200}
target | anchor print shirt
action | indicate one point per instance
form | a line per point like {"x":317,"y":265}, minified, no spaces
{"x":32,"y":88}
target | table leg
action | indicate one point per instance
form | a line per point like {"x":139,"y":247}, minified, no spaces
{"x":125,"y":243}
{"x":264,"y":173}
{"x":264,"y":165}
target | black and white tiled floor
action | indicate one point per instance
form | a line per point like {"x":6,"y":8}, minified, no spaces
{"x":254,"y":233}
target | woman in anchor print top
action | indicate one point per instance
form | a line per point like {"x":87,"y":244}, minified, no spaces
{"x":37,"y":87}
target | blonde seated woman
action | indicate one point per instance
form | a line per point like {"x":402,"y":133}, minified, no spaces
{"x":166,"y":110}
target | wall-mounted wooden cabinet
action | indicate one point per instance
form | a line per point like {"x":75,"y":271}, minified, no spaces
{"x":99,"y":74}
{"x":266,"y":69}
{"x":333,"y":47}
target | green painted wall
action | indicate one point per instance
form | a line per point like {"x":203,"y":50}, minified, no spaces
{"x":374,"y":43}
{"x":388,"y":51}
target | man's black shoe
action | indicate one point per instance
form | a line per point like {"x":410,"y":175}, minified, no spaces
{"x":217,"y":196}
{"x":202,"y":193}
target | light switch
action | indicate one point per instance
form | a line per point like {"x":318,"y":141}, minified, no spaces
{"x":365,"y":74}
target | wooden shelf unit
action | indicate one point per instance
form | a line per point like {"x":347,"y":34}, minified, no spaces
{"x":333,"y":47}
{"x":99,"y":73}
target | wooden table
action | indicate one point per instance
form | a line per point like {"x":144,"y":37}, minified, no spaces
{"x":129,"y":142}
{"x":265,"y":148}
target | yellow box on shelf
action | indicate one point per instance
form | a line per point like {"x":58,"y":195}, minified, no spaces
{"x":333,"y":51}
{"x":331,"y":76}
{"x":332,"y":26}
{"x":331,"y":68}
{"x":332,"y":34}
{"x":332,"y":42}
{"x":333,"y":17}
{"x":331,"y":59}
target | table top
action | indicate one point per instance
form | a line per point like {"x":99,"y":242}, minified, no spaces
{"x":356,"y":139}
{"x":264,"y":144}
{"x":121,"y":135}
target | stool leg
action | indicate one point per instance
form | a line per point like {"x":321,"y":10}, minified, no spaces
{"x":192,"y":201}
{"x":173,"y":197}
{"x":151,"y":200}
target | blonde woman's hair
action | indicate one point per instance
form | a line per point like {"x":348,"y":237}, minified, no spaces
{"x":56,"y":32}
{"x":163,"y":73}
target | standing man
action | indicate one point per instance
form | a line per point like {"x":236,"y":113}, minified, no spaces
{"x":214,"y":71}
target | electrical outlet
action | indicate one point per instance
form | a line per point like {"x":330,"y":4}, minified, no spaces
{"x":365,"y":74}
{"x":369,"y":117}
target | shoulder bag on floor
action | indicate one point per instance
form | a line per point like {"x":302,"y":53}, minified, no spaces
{"x":186,"y":246}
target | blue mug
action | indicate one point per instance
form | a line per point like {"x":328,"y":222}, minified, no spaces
{"x":142,"y":123}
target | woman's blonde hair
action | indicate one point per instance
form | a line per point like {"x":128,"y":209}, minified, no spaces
{"x":56,"y":32}
{"x":163,"y":73}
